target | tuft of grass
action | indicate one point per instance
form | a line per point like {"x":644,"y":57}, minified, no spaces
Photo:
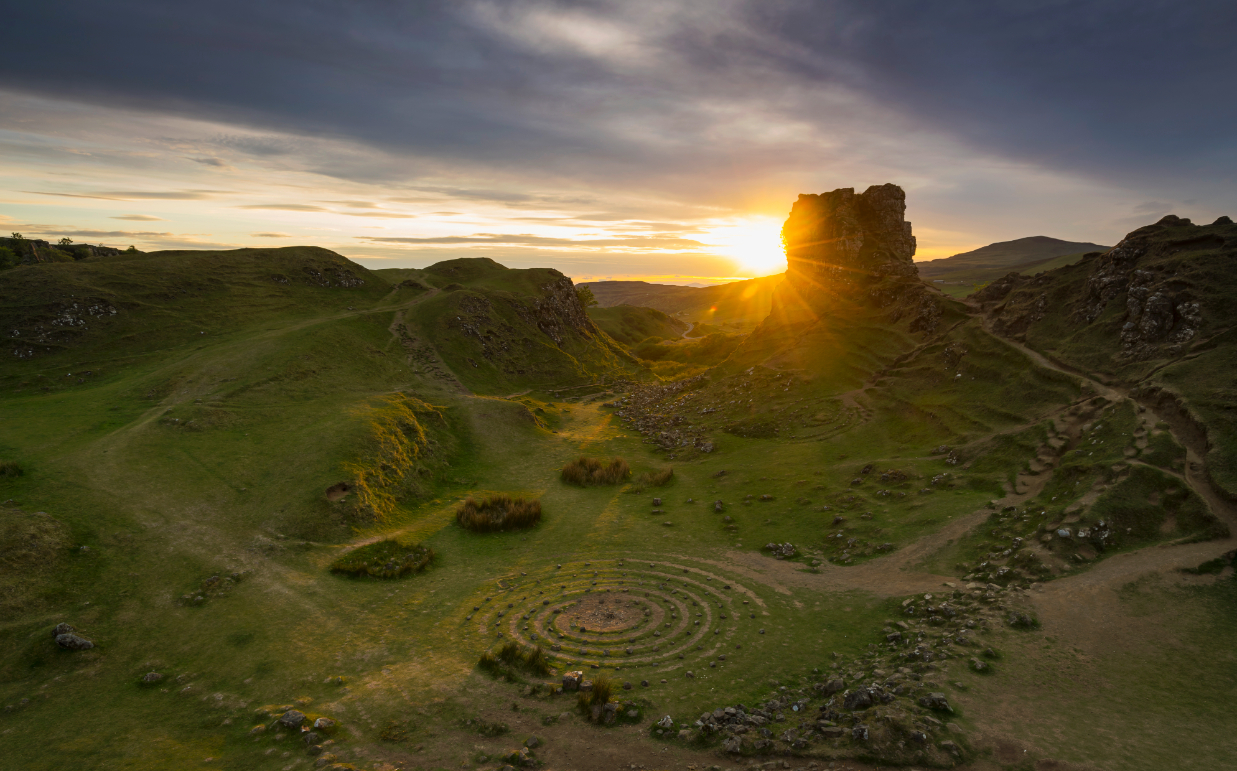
{"x":497,"y":513}
{"x":657,"y":478}
{"x":512,"y":656}
{"x":10,"y":468}
{"x":384,"y":559}
{"x":589,"y":472}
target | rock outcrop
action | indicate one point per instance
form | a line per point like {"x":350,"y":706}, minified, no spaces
{"x":29,"y":251}
{"x":844,"y":248}
{"x":1141,"y":285}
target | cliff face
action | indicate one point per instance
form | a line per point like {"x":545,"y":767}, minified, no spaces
{"x":847,"y":248}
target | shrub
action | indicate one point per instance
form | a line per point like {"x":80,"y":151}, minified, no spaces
{"x":10,"y":468}
{"x":587,"y":472}
{"x":497,"y":512}
{"x":384,"y":559}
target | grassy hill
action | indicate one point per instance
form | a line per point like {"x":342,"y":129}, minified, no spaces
{"x":739,"y":305}
{"x":961,"y":274}
{"x":630,"y":324}
{"x":1151,"y":315}
{"x":851,"y":498}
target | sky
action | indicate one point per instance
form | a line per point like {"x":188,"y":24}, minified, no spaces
{"x":663,"y":140}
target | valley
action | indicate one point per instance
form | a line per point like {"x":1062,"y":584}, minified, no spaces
{"x":865,"y":523}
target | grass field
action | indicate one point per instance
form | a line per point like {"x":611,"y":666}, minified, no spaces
{"x":173,"y":507}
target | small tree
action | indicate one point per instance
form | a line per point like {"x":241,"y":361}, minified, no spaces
{"x":585,"y":296}
{"x":66,"y":241}
{"x":18,"y":237}
{"x":132,"y":249}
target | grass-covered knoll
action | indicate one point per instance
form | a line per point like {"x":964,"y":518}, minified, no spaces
{"x":630,"y":324}
{"x":406,"y":442}
{"x":689,"y":356}
{"x":89,"y":313}
{"x":589,"y":472}
{"x":497,"y":513}
{"x":389,"y":558}
{"x":509,"y":331}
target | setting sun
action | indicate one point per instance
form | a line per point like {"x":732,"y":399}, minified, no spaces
{"x":755,"y":245}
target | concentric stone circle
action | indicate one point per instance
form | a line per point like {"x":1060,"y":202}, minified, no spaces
{"x":617,"y":613}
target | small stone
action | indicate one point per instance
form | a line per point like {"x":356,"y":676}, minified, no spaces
{"x":62,"y":628}
{"x":324,"y":724}
{"x":292,"y":718}
{"x":151,"y":677}
{"x":532,"y":742}
{"x":644,"y":683}
{"x":72,"y":642}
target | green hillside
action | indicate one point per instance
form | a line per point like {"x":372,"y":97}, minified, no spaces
{"x":1150,"y":315}
{"x":630,"y":324}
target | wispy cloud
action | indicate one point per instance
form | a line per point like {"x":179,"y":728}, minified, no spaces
{"x":284,"y":207}
{"x":138,"y":218}
{"x":139,"y":195}
{"x":631,"y":242}
{"x":270,"y":235}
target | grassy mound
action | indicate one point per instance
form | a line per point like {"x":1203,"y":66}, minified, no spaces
{"x":384,"y":559}
{"x":587,"y":472}
{"x":498,"y":512}
{"x":10,"y":468}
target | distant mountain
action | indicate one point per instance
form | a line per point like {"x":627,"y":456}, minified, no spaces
{"x":961,"y":274}
{"x":740,"y":303}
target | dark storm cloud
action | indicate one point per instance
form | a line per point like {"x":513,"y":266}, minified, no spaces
{"x":1110,"y":88}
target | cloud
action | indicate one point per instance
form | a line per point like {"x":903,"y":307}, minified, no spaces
{"x":656,"y":242}
{"x":218,"y":163}
{"x":139,"y":218}
{"x":270,"y":235}
{"x":284,"y":207}
{"x":263,"y":146}
{"x":182,"y":195}
{"x":305,"y":207}
{"x":107,"y":233}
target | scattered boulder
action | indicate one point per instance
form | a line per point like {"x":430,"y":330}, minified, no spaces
{"x":72,"y":642}
{"x":292,"y":719}
{"x":151,"y":677}
{"x":62,"y":628}
{"x":860,"y":698}
{"x":935,"y":701}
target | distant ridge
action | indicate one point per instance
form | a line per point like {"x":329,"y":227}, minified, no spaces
{"x":1003,"y":255}
{"x":743,"y":303}
{"x":961,"y":274}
